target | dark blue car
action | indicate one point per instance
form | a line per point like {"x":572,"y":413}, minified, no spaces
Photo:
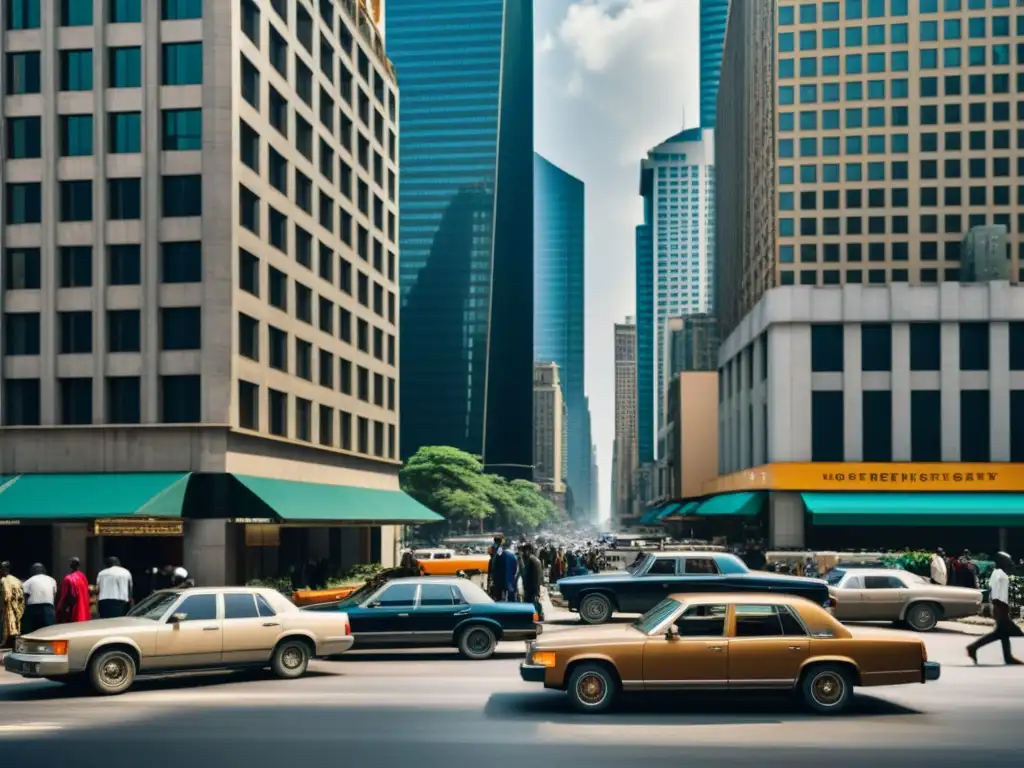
{"x":433,"y":612}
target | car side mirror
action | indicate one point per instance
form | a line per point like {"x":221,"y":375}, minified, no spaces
{"x":177,"y":618}
{"x":672,"y":633}
{"x":373,"y":604}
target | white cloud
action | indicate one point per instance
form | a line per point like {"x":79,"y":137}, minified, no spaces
{"x":598,"y":32}
{"x":546,"y":44}
{"x":574,"y":88}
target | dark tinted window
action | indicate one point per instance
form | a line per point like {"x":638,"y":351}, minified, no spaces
{"x":757,"y":621}
{"x":199,"y":608}
{"x":436,"y":594}
{"x":700,"y":565}
{"x":791,"y":624}
{"x":398,"y":595}
{"x":876,"y":426}
{"x":827,"y":435}
{"x":882,"y":582}
{"x":925,"y":347}
{"x":702,"y":621}
{"x":826,"y":348}
{"x":925,"y":425}
{"x":239,"y":607}
{"x":975,"y":425}
{"x":663,"y":566}
{"x":264,"y":606}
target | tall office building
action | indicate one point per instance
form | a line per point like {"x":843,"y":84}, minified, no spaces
{"x":466,"y":223}
{"x":624,"y":452}
{"x":691,"y":344}
{"x":714,"y":14}
{"x":645,"y":324}
{"x":200,"y":244}
{"x":558,"y":300}
{"x":891,"y":130}
{"x":549,"y":429}
{"x":677,"y":183}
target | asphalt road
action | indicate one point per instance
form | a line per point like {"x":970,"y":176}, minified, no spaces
{"x":433,"y":710}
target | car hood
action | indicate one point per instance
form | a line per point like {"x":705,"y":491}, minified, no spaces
{"x":126,"y":624}
{"x":599,"y":635}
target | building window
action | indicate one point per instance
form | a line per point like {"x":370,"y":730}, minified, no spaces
{"x":75,"y":70}
{"x":876,"y":418}
{"x":124,"y":11}
{"x":75,"y":266}
{"x":24,"y":137}
{"x":378,"y":439}
{"x":174,"y":10}
{"x":124,"y":199}
{"x":76,"y":13}
{"x":826,"y":348}
{"x":75,"y":336}
{"x":1017,"y":425}
{"x":124,"y":67}
{"x":278,"y":413}
{"x":180,"y":399}
{"x":123,"y":330}
{"x":248,"y":337}
{"x":303,"y":359}
{"x":123,"y":265}
{"x":23,"y":14}
{"x":326,"y":419}
{"x":181,"y":262}
{"x":182,"y":196}
{"x":326,"y":369}
{"x":182,"y":64}
{"x":124,"y":133}
{"x":876,"y":347}
{"x":76,"y":200}
{"x":344,"y":368}
{"x":926,"y":425}
{"x":278,"y":349}
{"x":75,"y":135}
{"x":973,"y":346}
{"x":1017,"y":344}
{"x":21,"y":333}
{"x":75,"y":400}
{"x":181,"y":328}
{"x":23,"y":73}
{"x":23,"y":203}
{"x":249,"y":210}
{"x":278,"y":288}
{"x":925,"y":347}
{"x":827,"y":433}
{"x":21,"y":402}
{"x":975,"y":425}
{"x":363,"y":435}
{"x":251,"y":21}
{"x":345,"y":431}
{"x":182,"y":130}
{"x":124,"y":401}
{"x":248,"y":272}
{"x":22,"y":269}
{"x":303,"y":419}
{"x":248,"y":405}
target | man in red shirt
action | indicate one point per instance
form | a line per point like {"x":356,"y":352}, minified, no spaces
{"x":73,"y":600}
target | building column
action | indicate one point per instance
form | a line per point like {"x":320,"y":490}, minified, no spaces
{"x":785,"y":521}
{"x":69,"y":540}
{"x":853,"y":394}
{"x":210,"y":552}
{"x":757,"y":400}
{"x":745,"y":398}
{"x":999,"y":391}
{"x":949,"y":388}
{"x":789,"y":393}
{"x":901,"y":442}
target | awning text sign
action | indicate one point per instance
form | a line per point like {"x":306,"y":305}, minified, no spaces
{"x":139,"y":528}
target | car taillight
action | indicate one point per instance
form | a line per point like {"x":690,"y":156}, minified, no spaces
{"x":348,"y":629}
{"x":536,"y":618}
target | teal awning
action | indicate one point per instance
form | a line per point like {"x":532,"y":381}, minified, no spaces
{"x":294,"y":501}
{"x":656,"y":514}
{"x":913,"y":509}
{"x":85,"y":496}
{"x":685,"y":510}
{"x":732,"y":505}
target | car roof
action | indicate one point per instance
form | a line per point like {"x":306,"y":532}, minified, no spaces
{"x":689,"y":553}
{"x":746,"y":598}
{"x":872,"y":571}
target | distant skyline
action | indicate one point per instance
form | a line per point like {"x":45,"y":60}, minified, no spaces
{"x":612,"y":79}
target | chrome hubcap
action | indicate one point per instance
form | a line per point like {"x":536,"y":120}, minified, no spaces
{"x":478,"y":642}
{"x":292,"y":658}
{"x":827,"y":689}
{"x":594,"y":609}
{"x":923,"y":617}
{"x":114,"y":672}
{"x":591,"y":689}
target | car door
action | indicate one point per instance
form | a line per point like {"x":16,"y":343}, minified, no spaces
{"x":193,"y":634}
{"x":386,"y":617}
{"x":700,"y":575}
{"x":884,"y":598}
{"x":248,"y":637}
{"x":643,"y":591}
{"x":768,"y":647}
{"x":436,"y":613}
{"x":849,"y":594}
{"x":698,"y":657}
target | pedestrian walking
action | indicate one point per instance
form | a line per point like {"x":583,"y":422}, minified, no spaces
{"x":181,"y":580}
{"x":511,"y":563}
{"x":115,"y":590}
{"x":40,"y":600}
{"x":939,"y":572}
{"x":533,"y":580}
{"x":12,"y":605}
{"x":496,"y":570}
{"x":73,"y":598}
{"x":999,"y":584}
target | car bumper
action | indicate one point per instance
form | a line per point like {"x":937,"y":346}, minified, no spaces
{"x":36,"y":665}
{"x":513,"y":635}
{"x":532,"y":673}
{"x":932,"y":671}
{"x":332,"y":646}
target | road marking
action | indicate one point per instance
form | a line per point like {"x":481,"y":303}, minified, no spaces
{"x":29,"y":728}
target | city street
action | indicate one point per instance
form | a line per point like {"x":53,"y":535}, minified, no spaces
{"x":433,"y":709}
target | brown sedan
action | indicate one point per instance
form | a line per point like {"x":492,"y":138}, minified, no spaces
{"x":887,"y":594}
{"x":738,"y":642}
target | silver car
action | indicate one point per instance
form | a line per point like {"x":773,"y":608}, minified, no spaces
{"x":182,"y":630}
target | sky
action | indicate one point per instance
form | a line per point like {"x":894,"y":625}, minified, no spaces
{"x":612,"y":79}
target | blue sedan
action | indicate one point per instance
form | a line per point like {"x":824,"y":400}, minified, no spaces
{"x":433,"y":612}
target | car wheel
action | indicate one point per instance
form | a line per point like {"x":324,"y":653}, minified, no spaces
{"x":595,"y":609}
{"x":111,"y":672}
{"x":922,"y":617}
{"x":592,"y":688}
{"x":477,"y":643}
{"x":827,"y":688}
{"x":290,"y":660}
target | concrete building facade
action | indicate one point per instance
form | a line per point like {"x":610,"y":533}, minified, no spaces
{"x":549,"y":428}
{"x":200,"y":246}
{"x":690,"y":435}
{"x":624,"y":449}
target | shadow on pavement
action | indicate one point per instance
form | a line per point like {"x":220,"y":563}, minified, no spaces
{"x":702,"y":709}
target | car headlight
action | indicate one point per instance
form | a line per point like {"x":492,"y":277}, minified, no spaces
{"x":42,"y":647}
{"x":542,"y":658}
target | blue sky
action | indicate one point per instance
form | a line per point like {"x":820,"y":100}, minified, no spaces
{"x":612,"y":79}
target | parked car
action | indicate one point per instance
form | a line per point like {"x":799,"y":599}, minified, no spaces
{"x":725,"y":642}
{"x":598,"y":597}
{"x":888,"y":594}
{"x":432,"y":612}
{"x":183,"y":630}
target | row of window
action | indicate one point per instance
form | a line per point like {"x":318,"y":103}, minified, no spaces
{"x":25,"y":14}
{"x":833,"y":10}
{"x":830,"y":173}
{"x":180,"y":196}
{"x":899,"y":197}
{"x":828,"y":428}
{"x":180,"y":262}
{"x":180,"y":329}
{"x":180,"y":401}
{"x":180,"y":130}
{"x":180,"y":64}
{"x":293,"y":417}
{"x":828,"y":345}
{"x":952,"y":223}
{"x":854,"y":253}
{"x":927,"y":276}
{"x":859,"y":90}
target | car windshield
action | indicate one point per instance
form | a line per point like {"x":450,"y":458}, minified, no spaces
{"x":154,"y":606}
{"x":471,"y":593}
{"x":640,"y":563}
{"x":656,"y":615}
{"x":360,"y":594}
{"x":834,"y":576}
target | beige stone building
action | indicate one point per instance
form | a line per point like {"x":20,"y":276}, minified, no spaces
{"x":199,"y":274}
{"x":690,"y":435}
{"x":859,"y":142}
{"x":549,"y":429}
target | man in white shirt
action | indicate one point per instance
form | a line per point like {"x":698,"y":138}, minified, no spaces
{"x":938,"y":568}
{"x":115,"y":590}
{"x":40,"y":597}
{"x":999,"y":591}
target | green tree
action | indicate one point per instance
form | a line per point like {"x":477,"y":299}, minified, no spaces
{"x":451,"y":483}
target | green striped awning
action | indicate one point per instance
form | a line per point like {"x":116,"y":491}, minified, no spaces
{"x":745,"y":504}
{"x":91,"y":496}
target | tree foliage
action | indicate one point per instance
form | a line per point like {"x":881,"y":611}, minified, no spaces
{"x":453,"y":484}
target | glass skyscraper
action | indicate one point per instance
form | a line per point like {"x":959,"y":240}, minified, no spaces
{"x":714,"y":15}
{"x":558,"y":297}
{"x":465,"y":221}
{"x":645,"y":439}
